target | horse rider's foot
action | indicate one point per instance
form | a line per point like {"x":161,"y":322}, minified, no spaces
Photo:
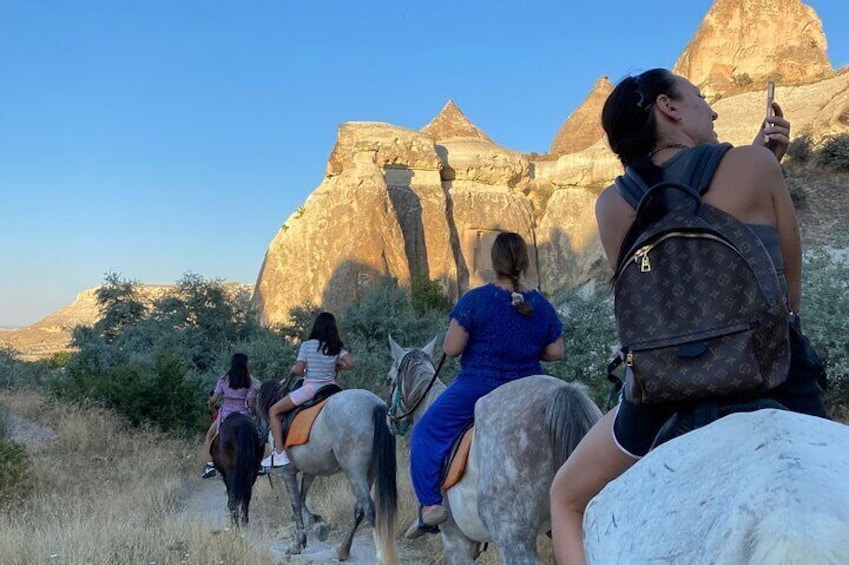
{"x":208,"y":471}
{"x":262,"y":471}
{"x":428,"y":521}
{"x":275,"y":460}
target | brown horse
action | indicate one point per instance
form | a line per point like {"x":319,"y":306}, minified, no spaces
{"x":236,"y":452}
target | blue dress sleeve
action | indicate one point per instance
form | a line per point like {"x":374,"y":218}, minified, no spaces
{"x":463,"y":312}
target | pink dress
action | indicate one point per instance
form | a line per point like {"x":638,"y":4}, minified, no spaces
{"x":235,"y":400}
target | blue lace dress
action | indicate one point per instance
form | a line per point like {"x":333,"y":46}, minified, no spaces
{"x":503,"y":345}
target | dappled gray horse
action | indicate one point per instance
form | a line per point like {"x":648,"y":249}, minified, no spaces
{"x":524,"y":430}
{"x":350,"y":435}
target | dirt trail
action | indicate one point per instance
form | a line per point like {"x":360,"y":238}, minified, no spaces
{"x":206,"y":500}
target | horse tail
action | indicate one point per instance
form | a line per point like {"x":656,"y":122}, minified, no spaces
{"x":569,"y":415}
{"x":247,"y":465}
{"x":384,"y":470}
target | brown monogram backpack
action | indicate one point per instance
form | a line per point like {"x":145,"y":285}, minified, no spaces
{"x":699,"y":307}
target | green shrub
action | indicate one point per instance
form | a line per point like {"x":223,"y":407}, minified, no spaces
{"x":427,"y":294}
{"x":800,"y":149}
{"x":385,"y":310}
{"x":589,"y":339}
{"x":833,"y":153}
{"x":14,"y":466}
{"x":825,"y":320}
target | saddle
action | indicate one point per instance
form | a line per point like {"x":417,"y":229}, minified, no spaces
{"x":455,"y":463}
{"x":298,"y":423}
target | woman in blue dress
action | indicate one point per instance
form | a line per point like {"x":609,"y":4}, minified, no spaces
{"x":502,"y":331}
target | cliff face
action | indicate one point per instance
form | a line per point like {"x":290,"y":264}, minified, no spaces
{"x":743,"y":43}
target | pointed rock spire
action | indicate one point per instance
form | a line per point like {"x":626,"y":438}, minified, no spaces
{"x":741,"y":44}
{"x":451,"y":122}
{"x":583,"y":127}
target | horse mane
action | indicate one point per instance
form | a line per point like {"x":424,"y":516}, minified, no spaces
{"x":269,"y":393}
{"x":416,"y":370}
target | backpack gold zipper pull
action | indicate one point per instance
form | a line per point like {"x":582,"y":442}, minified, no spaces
{"x":642,"y":256}
{"x":629,"y":359}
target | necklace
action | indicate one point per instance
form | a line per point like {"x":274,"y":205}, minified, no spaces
{"x":660,"y":148}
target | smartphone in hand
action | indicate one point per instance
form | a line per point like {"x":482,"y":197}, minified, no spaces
{"x":770,"y":98}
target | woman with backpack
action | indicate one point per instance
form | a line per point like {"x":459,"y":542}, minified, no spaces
{"x":319,"y":357}
{"x":654,"y":122}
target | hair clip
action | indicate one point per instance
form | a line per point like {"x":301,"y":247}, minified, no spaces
{"x":516,"y":298}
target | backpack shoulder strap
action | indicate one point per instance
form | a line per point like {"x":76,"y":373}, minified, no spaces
{"x":702,"y":166}
{"x":631,"y":187}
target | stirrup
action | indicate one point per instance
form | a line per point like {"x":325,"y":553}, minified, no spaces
{"x":419,"y":528}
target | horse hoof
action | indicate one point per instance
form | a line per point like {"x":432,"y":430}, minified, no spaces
{"x":342,"y":554}
{"x":320,"y":530}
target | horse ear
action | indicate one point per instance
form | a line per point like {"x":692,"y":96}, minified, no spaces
{"x":397,"y":350}
{"x":429,"y":347}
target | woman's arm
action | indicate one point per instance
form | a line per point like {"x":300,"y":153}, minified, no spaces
{"x":554,"y":351}
{"x":788,"y":234}
{"x":345,"y":363}
{"x":299,"y":368}
{"x":213,"y":401}
{"x":456,"y":339}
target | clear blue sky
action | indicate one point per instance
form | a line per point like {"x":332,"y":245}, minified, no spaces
{"x":156,"y":138}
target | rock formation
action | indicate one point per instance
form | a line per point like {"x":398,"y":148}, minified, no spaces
{"x":406,"y":203}
{"x":743,"y":43}
{"x":451,"y":122}
{"x":583,"y":128}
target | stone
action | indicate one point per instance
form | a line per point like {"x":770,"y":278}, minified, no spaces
{"x":762,"y":487}
{"x":583,"y":127}
{"x":741,"y":44}
{"x":451,"y":122}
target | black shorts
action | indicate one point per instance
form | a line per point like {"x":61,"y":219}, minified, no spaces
{"x":637,"y":425}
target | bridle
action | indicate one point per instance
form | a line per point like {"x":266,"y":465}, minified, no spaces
{"x":400,"y":425}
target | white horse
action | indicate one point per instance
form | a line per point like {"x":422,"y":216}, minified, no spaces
{"x":524,"y":430}
{"x":760,"y":488}
{"x":350,"y":435}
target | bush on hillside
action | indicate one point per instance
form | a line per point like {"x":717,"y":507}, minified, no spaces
{"x":825,"y":320}
{"x":158,"y":363}
{"x":589,"y":338}
{"x":17,"y":373}
{"x":14,"y":466}
{"x":800,"y":149}
{"x":386,"y":310}
{"x":833,"y":153}
{"x":426,"y":295}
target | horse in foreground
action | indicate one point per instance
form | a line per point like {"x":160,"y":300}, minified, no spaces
{"x":349,"y":435}
{"x":236,"y":452}
{"x":524,"y":431}
{"x":759,"y":488}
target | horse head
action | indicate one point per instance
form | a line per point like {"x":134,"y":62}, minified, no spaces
{"x":269,"y":392}
{"x":410,"y":377}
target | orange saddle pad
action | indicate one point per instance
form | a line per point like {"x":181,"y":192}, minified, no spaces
{"x":458,"y":463}
{"x":299,"y":430}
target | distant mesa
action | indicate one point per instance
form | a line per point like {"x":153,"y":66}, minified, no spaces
{"x":450,"y":123}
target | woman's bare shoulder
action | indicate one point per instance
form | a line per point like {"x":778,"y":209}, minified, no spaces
{"x":753,"y":159}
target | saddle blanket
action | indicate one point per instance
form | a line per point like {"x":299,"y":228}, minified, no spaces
{"x":299,"y":430}
{"x":457,"y":464}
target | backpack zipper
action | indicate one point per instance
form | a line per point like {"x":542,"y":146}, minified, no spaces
{"x":641,"y":255}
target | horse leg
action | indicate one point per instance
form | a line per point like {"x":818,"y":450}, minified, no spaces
{"x":320,"y":529}
{"x":457,"y":548}
{"x":520,"y":548}
{"x":363,"y":508}
{"x":300,"y":542}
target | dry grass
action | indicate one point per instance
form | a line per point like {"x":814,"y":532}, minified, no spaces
{"x":100,"y":493}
